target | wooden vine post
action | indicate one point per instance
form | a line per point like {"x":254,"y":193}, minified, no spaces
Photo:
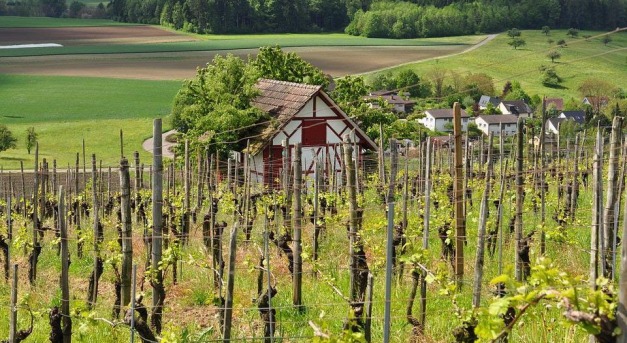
{"x":157,"y":232}
{"x":460,"y":227}
{"x":97,"y":272}
{"x":596,"y":213}
{"x":228,"y":306}
{"x":352,"y":224}
{"x":297,"y":280}
{"x":612,"y":198}
{"x":34,"y":257}
{"x":519,"y":200}
{"x":425,"y":233}
{"x":390,"y":244}
{"x":65,"y":264}
{"x":186,"y":202}
{"x":621,"y":315}
{"x":13,"y":308}
{"x":542,"y":178}
{"x":483,"y":218}
{"x":127,"y":233}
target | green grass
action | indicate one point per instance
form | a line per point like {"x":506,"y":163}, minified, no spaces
{"x":9,"y":21}
{"x":233,"y":42}
{"x":581,"y":59}
{"x":66,"y":110}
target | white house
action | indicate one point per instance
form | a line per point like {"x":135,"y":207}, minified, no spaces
{"x":442,"y":119}
{"x":516,"y":107}
{"x":305,"y":114}
{"x":496,"y":122}
{"x":553,"y":125}
{"x":578,"y":116}
{"x":486,"y":99}
{"x":399,"y":103}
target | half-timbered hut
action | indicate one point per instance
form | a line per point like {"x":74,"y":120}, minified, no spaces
{"x":301,"y":114}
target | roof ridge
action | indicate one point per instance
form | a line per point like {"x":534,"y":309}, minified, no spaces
{"x":293,"y":84}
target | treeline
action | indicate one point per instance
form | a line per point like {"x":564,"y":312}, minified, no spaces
{"x":239,"y":16}
{"x":435,"y":18}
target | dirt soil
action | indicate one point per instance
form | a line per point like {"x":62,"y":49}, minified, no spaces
{"x":68,"y":36}
{"x":336,"y":61}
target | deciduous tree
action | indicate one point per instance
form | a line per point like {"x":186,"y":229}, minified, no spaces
{"x":517,"y":42}
{"x":31,"y":138}
{"x":7,"y":140}
{"x":546,"y":30}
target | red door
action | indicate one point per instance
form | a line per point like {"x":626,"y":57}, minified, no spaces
{"x":273,"y":163}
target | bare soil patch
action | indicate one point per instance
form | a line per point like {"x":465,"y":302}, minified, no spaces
{"x":337,"y":61}
{"x":90,"y":35}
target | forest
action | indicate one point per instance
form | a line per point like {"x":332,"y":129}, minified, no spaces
{"x":393,"y":19}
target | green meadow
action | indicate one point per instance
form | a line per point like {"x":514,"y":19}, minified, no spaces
{"x":233,"y":42}
{"x":581,"y":58}
{"x":66,"y":110}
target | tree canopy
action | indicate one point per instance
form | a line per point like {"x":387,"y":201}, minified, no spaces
{"x":7,"y":139}
{"x":214,"y":107}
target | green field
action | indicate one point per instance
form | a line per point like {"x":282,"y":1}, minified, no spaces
{"x":66,"y":110}
{"x":9,"y":21}
{"x":581,"y":59}
{"x":221,"y":42}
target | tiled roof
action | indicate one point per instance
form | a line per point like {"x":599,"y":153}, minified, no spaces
{"x":283,"y":99}
{"x":442,"y":113}
{"x":499,"y":118}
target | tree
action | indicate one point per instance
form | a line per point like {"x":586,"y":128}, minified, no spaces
{"x":517,"y":42}
{"x":549,"y":77}
{"x":572,"y":32}
{"x":473,"y":130}
{"x":514,"y":32}
{"x":274,"y":63}
{"x":561,"y":42}
{"x":546,"y":30}
{"x":437,"y":76}
{"x":606,"y":39}
{"x":597,"y":89}
{"x":31,"y":138}
{"x":7,"y":140}
{"x":553,"y":55}
{"x":490,"y":109}
{"x":349,"y":89}
{"x":408,"y":81}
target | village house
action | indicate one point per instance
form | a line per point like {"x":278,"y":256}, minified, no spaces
{"x":519,"y":108}
{"x":399,"y":103}
{"x":554,"y":103}
{"x":496,"y":122}
{"x":596,"y":102}
{"x":552,"y":124}
{"x":442,"y":119}
{"x":486,"y":99}
{"x":301,"y":114}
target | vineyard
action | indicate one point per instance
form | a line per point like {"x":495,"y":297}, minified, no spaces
{"x":490,"y":240}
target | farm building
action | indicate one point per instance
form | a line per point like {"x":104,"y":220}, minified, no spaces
{"x":301,"y":114}
{"x":492,"y":123}
{"x":400,"y":102}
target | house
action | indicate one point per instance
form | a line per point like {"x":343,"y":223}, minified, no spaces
{"x":550,"y":142}
{"x":399,"y":103}
{"x":553,"y":124}
{"x":496,"y":122}
{"x":596,"y":102}
{"x":442,"y":119}
{"x":304,"y":114}
{"x":555,"y":103}
{"x":578,"y":116}
{"x":519,"y":108}
{"x":486,"y":99}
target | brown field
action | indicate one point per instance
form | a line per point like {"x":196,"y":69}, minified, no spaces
{"x":90,"y":35}
{"x":336,"y":61}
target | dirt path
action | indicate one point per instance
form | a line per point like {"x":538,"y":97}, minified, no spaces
{"x":147,"y":145}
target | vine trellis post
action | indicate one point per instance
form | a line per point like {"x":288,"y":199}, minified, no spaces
{"x":460,"y":226}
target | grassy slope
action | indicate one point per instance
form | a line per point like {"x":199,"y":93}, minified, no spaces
{"x":581,"y":59}
{"x":64,"y":110}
